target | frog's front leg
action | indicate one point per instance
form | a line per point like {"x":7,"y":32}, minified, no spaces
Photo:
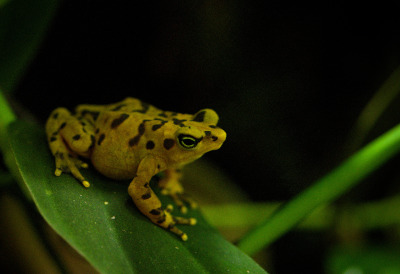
{"x":69,"y":137}
{"x":170,"y":186}
{"x":148,"y":202}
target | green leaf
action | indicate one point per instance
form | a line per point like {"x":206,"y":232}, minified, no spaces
{"x":23,"y":24}
{"x":103,"y":224}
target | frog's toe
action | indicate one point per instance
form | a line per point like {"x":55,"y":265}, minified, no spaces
{"x":183,"y":198}
{"x":178,"y":232}
{"x":76,"y":173}
{"x":70,"y":163}
{"x":58,"y":172}
{"x":183,"y":209}
{"x":180,"y":220}
{"x":78,"y":162}
{"x":180,"y":199}
{"x":185,"y":221}
{"x":189,"y":200}
{"x":169,"y":208}
{"x":179,"y":202}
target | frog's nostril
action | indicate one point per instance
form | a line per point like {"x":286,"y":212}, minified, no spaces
{"x":214,"y":138}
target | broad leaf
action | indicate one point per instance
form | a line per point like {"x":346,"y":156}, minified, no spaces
{"x":103,"y":224}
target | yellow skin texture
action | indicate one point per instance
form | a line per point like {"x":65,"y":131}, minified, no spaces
{"x":133,"y":140}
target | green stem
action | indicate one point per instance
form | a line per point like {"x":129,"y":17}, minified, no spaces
{"x":341,"y":179}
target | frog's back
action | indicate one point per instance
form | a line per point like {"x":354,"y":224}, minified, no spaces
{"x":126,"y":132}
{"x":117,"y":153}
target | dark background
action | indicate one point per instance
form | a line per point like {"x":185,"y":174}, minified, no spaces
{"x":288,"y":81}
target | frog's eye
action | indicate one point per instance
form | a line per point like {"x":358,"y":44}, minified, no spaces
{"x":188,"y":142}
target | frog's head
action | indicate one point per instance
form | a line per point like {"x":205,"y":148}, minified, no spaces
{"x":192,"y":138}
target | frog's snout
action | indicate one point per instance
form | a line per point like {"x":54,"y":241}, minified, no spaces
{"x":218,"y":137}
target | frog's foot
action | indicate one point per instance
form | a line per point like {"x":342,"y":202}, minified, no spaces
{"x":180,"y":220}
{"x":180,"y":199}
{"x":170,"y":186}
{"x":68,"y":162}
{"x":167,"y":221}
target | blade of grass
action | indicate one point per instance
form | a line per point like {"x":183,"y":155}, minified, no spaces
{"x":374,"y":109}
{"x":6,"y":117}
{"x":6,"y":114}
{"x":341,"y":179}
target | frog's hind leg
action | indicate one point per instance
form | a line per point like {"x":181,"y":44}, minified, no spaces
{"x":63,"y":131}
